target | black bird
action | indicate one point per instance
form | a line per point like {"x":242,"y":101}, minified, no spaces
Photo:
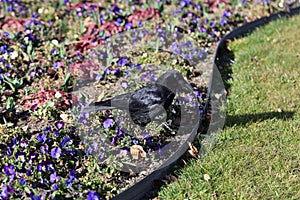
{"x":148,"y":103}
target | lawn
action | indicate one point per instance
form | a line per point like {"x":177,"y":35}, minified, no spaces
{"x":257,"y":155}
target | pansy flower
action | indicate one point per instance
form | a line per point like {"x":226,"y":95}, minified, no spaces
{"x":35,"y":197}
{"x":8,"y":151}
{"x":42,"y":138}
{"x":20,"y":157}
{"x":92,"y":195}
{"x":9,"y":170}
{"x":44,"y":149}
{"x":56,"y":152}
{"x":6,"y":191}
{"x":33,"y":156}
{"x":128,"y":25}
{"x":55,"y":186}
{"x":56,"y":65}
{"x":50,"y":166}
{"x":68,"y":183}
{"x":59,"y":125}
{"x":23,"y":144}
{"x":65,"y":141}
{"x":223,"y":21}
{"x":41,"y":167}
{"x":22,"y":181}
{"x":108,"y":123}
{"x":54,"y":178}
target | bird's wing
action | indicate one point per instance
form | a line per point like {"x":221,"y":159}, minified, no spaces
{"x":157,"y":112}
{"x":121,"y":101}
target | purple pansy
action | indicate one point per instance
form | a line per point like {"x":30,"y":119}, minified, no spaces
{"x":115,"y":9}
{"x":108,"y":123}
{"x":22,"y":181}
{"x":122,"y":61}
{"x":54,"y":51}
{"x":34,"y":15}
{"x":72,"y":174}
{"x":223,"y":21}
{"x":56,"y":152}
{"x":93,"y":195}
{"x":42,"y":138}
{"x":8,"y":151}
{"x":33,"y":155}
{"x":32,"y":74}
{"x":9,"y":170}
{"x":227,"y":13}
{"x":50,"y":166}
{"x":41,"y":167}
{"x":56,"y":65}
{"x":54,"y":178}
{"x":128,"y":25}
{"x":55,"y":186}
{"x":15,"y":140}
{"x":68,"y":183}
{"x":28,"y":172}
{"x":23,"y":144}
{"x":6,"y":191}
{"x":35,"y":197}
{"x":44,"y":149}
{"x":60,"y":125}
{"x":65,"y":140}
{"x":56,"y":132}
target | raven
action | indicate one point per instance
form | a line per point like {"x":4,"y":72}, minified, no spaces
{"x":148,"y":103}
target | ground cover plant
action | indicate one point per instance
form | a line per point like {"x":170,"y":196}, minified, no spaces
{"x":257,"y":154}
{"x":43,"y":47}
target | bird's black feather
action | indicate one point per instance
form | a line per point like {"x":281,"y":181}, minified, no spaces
{"x":148,"y":103}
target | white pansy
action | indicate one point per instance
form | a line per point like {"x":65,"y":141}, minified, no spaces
{"x":57,"y":95}
{"x":13,"y":55}
{"x":5,"y":56}
{"x":55,"y":42}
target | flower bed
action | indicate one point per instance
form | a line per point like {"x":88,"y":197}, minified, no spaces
{"x":44,"y":53}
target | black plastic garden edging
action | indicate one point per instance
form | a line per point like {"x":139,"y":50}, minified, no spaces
{"x":142,"y":187}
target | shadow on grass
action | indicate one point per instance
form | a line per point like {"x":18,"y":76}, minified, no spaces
{"x":241,"y":120}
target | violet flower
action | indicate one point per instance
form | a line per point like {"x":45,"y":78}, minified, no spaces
{"x":9,"y":170}
{"x":42,"y":138}
{"x":41,"y":167}
{"x":55,"y":152}
{"x":54,"y":178}
{"x":59,"y":125}
{"x":122,"y":61}
{"x":108,"y":123}
{"x":20,"y":157}
{"x":93,"y":195}
{"x":22,"y":181}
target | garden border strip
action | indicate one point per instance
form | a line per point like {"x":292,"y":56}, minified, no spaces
{"x":142,"y":187}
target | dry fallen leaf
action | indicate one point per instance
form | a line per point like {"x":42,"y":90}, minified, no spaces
{"x":206,"y":177}
{"x":137,"y":150}
{"x":193,"y":151}
{"x":66,"y":118}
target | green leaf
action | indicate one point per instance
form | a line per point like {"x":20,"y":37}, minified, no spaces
{"x":10,"y":103}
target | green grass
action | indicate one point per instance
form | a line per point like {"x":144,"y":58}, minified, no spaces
{"x":258,"y":152}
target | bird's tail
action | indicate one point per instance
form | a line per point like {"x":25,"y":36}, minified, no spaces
{"x":106,"y":103}
{"x":101,"y":105}
{"x":120,"y":101}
